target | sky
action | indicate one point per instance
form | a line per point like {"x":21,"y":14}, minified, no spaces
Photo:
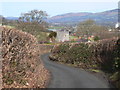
{"x":11,"y":8}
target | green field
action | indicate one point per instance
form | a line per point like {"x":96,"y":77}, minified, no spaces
{"x":73,"y":37}
{"x":56,"y":27}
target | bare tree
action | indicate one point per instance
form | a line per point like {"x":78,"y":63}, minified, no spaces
{"x":33,"y":16}
{"x":33,"y":22}
{"x":85,"y":27}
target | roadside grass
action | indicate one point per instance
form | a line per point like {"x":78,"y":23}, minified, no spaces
{"x":95,"y":70}
{"x":76,"y":66}
{"x":114,"y":77}
{"x":49,"y":43}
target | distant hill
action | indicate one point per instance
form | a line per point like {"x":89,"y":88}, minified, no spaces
{"x":12,"y":18}
{"x":106,"y":17}
{"x":109,"y":17}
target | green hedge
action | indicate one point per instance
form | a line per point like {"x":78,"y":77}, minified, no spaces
{"x":103,"y":55}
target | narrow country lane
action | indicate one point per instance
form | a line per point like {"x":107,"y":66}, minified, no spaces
{"x":69,"y":77}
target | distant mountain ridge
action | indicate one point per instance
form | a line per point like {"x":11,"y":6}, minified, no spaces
{"x":69,"y":15}
{"x":12,"y":18}
{"x":106,"y":17}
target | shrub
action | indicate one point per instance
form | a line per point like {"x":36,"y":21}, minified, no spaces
{"x":96,"y":38}
{"x":52,"y":34}
{"x":73,"y":54}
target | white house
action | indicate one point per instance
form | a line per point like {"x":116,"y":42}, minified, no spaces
{"x":62,"y":36}
{"x":117,"y":25}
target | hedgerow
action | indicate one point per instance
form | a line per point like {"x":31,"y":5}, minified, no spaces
{"x":103,"y":55}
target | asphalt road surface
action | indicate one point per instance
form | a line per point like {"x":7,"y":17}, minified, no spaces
{"x":63,"y":76}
